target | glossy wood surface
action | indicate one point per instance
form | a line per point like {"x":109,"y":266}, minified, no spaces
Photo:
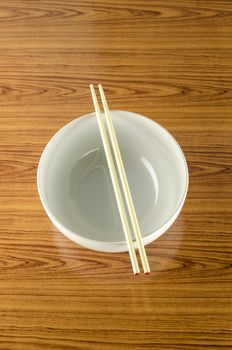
{"x":172,"y":61}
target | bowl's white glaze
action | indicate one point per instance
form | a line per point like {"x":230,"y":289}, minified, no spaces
{"x":76,"y":190}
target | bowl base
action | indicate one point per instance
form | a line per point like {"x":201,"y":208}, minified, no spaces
{"x":93,"y":199}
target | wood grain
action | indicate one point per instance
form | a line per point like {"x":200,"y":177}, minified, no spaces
{"x":170,"y":60}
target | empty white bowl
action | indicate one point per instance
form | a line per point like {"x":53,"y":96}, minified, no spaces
{"x":75,"y":187}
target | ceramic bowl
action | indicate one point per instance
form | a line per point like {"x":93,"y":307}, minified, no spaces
{"x":76,"y":190}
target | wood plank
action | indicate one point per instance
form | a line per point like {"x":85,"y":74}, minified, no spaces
{"x":169,"y":60}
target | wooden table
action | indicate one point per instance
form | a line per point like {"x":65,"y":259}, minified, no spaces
{"x":170,"y":60}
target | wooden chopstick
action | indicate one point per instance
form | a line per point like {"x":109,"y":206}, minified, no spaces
{"x":115,"y":182}
{"x":124,"y":182}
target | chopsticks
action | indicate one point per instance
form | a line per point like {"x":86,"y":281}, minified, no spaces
{"x":124,"y":183}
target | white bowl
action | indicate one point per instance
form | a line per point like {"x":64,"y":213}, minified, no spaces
{"x":76,"y":190}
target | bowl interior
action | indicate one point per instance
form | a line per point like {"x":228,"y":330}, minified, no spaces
{"x":75,"y":185}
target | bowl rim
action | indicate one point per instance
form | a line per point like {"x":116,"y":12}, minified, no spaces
{"x":90,"y":241}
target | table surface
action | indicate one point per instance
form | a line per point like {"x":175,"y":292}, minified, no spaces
{"x":169,"y":60}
